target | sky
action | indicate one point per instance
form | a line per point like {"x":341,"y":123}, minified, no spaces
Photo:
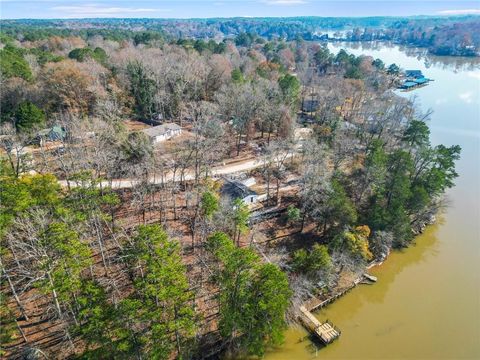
{"x":55,"y":9}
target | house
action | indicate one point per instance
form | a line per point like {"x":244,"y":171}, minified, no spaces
{"x":249,"y":182}
{"x":411,"y":84}
{"x":413,"y":74}
{"x":55,"y":133}
{"x":310,"y":105}
{"x":408,"y":85}
{"x":162,"y":132}
{"x":421,"y":81}
{"x":236,"y":190}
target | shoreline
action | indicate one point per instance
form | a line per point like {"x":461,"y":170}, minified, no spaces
{"x":314,"y":304}
{"x":408,"y":45}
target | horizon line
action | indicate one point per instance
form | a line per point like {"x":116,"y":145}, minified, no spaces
{"x":253,"y":17}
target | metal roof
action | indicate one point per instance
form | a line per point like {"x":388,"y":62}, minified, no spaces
{"x":409,"y":84}
{"x":56,"y":132}
{"x":421,"y":80}
{"x":236,"y":190}
{"x":414,"y":73}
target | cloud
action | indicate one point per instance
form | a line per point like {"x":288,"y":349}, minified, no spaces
{"x":284,"y":2}
{"x":475,"y":75}
{"x":441,"y":101}
{"x":94,"y":10}
{"x":466,"y":96}
{"x":459,"y":12}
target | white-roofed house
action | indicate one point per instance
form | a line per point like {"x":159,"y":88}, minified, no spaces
{"x":162,"y":132}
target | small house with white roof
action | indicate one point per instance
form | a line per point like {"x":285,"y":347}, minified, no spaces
{"x":162,"y":132}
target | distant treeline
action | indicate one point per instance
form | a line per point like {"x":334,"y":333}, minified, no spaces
{"x":457,"y":39}
{"x":452,"y":35}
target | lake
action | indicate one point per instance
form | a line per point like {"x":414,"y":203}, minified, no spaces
{"x":426,"y":303}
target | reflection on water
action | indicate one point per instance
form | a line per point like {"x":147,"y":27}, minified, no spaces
{"x":426,"y":303}
{"x":452,"y":63}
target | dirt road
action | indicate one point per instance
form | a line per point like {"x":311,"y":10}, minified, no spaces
{"x":240,"y":166}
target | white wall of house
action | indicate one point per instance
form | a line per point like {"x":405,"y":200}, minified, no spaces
{"x":166,"y":136}
{"x":176,"y":132}
{"x":250,"y":199}
{"x":159,"y":138}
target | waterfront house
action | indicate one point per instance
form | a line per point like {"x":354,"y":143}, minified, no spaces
{"x":421,"y":81}
{"x":413,"y":74}
{"x":408,"y":85}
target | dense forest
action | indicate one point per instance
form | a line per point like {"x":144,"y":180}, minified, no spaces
{"x":445,"y":35}
{"x":111,"y":244}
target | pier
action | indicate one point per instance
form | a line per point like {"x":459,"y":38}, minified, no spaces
{"x":326,"y":331}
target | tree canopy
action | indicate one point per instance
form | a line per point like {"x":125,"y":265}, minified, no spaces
{"x":29,"y":117}
{"x":253,"y":299}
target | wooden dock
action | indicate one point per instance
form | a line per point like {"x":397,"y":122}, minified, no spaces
{"x":326,"y":331}
{"x":315,"y":303}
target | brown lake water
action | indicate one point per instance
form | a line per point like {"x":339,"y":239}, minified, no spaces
{"x":426,"y":303}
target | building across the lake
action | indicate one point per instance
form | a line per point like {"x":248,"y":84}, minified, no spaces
{"x":421,"y":81}
{"x":55,"y":133}
{"x":162,"y":132}
{"x":414,"y":79}
{"x":409,"y":85}
{"x":415,"y":74}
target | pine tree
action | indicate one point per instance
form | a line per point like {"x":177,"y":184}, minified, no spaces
{"x":209,"y":203}
{"x":253,"y":297}
{"x":240,"y":219}
{"x":8,"y":329}
{"x":162,"y":301}
{"x":28,"y":117}
{"x":143,"y":89}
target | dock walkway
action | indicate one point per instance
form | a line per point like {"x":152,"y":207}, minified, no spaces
{"x":326,"y":332}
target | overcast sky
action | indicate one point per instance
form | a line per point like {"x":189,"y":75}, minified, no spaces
{"x":54,"y":9}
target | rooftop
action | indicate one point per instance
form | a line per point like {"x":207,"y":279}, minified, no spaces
{"x":421,"y":80}
{"x":413,"y":73}
{"x":53,"y":131}
{"x":409,"y":84}
{"x":236,"y":190}
{"x":161,"y":129}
